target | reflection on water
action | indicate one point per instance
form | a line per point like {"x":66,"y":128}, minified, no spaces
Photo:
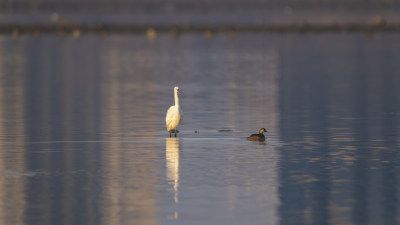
{"x":340,"y":160}
{"x":82,"y":132}
{"x":172,"y":160}
{"x":13,"y":171}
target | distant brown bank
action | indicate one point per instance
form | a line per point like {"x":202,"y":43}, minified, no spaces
{"x":208,"y":30}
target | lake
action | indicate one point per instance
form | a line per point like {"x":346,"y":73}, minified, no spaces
{"x":83,"y":138}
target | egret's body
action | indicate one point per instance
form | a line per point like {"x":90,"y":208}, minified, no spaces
{"x":174,"y":115}
{"x":258,"y":137}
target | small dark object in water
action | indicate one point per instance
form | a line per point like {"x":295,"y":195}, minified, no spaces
{"x":258,"y":137}
{"x":224,"y":130}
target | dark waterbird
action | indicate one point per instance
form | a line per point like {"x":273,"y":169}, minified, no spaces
{"x":258,"y":137}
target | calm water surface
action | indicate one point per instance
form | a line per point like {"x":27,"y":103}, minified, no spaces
{"x":83,"y":140}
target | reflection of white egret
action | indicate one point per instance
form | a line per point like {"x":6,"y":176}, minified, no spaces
{"x":172,"y":160}
{"x":174,"y":115}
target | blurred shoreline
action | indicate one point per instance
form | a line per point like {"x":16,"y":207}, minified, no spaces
{"x":199,"y":16}
{"x":230,"y":29}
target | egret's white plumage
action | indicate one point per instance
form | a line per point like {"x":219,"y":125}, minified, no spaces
{"x":174,"y":115}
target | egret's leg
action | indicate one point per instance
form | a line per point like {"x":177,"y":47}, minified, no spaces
{"x":175,"y":132}
{"x":170,"y":134}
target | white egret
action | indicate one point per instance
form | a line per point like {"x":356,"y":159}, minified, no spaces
{"x":174,"y":115}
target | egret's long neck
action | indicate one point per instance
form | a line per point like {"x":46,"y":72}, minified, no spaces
{"x":176,"y":99}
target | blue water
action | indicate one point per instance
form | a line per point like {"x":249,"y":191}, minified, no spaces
{"x":83,"y":140}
